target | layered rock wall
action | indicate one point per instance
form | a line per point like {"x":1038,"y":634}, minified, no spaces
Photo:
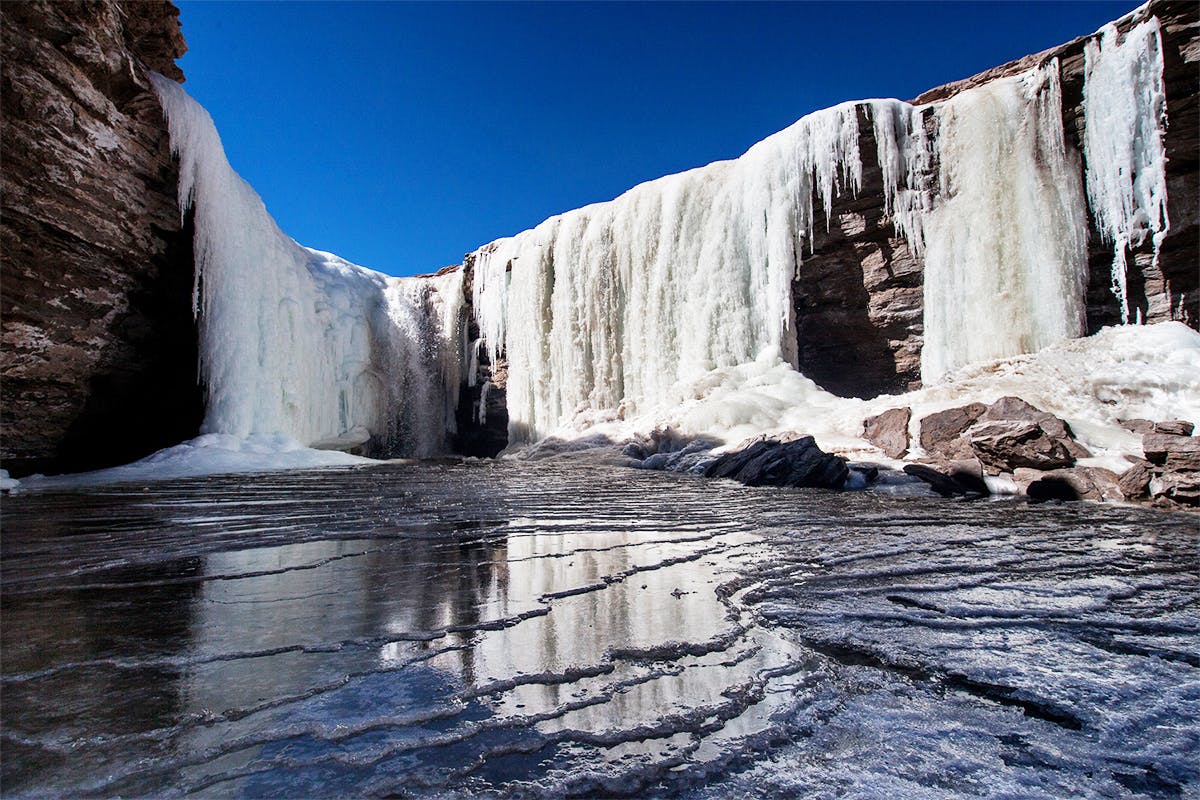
{"x":98,"y":358}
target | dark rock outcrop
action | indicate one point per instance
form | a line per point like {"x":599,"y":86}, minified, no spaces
{"x":889,"y":431}
{"x":99,"y":357}
{"x":781,"y":461}
{"x":957,"y":479}
{"x":482,"y":413}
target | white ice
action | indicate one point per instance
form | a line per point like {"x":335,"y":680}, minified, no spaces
{"x":1125,"y":114}
{"x":300,"y":342}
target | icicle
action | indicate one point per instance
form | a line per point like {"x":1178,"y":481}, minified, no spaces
{"x":1005,"y":259}
{"x":905,"y":159}
{"x":1125,"y":116}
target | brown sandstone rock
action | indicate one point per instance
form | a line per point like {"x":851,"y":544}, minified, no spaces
{"x":1172,"y":452}
{"x":1078,"y":483}
{"x":941,"y":431}
{"x":97,"y":342}
{"x":1174,"y":427}
{"x":889,"y":431}
{"x":1135,"y":481}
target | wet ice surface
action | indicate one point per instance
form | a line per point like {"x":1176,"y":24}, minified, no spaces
{"x":504,"y":629}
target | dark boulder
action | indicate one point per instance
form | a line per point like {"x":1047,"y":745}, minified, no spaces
{"x":954,"y":482}
{"x":775,"y":462}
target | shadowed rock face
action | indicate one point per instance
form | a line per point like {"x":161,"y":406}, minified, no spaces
{"x":99,"y":345}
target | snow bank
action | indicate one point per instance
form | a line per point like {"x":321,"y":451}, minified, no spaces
{"x":1123,"y":372}
{"x":298,"y":341}
{"x":209,"y":454}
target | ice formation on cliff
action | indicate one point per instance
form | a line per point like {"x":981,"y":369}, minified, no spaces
{"x":606,"y":311}
{"x":1125,"y":112}
{"x":628,"y":309}
{"x":300,"y":342}
{"x":1006,"y":241}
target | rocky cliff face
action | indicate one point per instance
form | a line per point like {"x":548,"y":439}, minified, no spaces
{"x":858,"y":296}
{"x":98,"y":360}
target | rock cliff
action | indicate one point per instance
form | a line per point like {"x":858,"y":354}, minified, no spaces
{"x":98,"y":360}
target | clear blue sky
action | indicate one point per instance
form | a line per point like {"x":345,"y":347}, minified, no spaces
{"x":402,"y":135}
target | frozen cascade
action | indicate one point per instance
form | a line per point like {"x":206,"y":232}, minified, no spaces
{"x":610,"y":307}
{"x":1125,"y":110}
{"x":301,"y":342}
{"x":1006,"y":242}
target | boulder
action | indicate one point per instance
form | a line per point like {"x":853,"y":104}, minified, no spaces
{"x":1003,"y":446}
{"x":1138,"y":426}
{"x":941,"y":431}
{"x":1182,"y":488}
{"x":1174,"y":427}
{"x":1077,"y":483}
{"x":772,"y":462}
{"x":1135,"y":481}
{"x":961,"y":482}
{"x":1172,"y":452}
{"x":889,"y":431}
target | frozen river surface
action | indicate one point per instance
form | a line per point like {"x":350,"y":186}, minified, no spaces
{"x":516,"y":630}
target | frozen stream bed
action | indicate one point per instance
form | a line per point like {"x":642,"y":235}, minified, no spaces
{"x":507,"y":629}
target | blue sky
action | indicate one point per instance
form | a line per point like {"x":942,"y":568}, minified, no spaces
{"x":402,"y":135}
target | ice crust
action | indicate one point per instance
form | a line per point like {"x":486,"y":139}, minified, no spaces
{"x":300,"y":342}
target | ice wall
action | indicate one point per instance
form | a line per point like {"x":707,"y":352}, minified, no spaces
{"x":610,"y":307}
{"x":1006,"y":241}
{"x":1125,"y":114}
{"x":301,"y":342}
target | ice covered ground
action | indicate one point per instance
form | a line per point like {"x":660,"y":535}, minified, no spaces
{"x":497,"y":629}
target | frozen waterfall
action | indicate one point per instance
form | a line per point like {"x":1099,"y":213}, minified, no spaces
{"x":1125,"y":113}
{"x":623,"y":308}
{"x":301,"y":342}
{"x":1006,"y":241}
{"x":615,"y":309}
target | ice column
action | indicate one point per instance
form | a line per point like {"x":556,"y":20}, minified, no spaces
{"x":1125,"y":115}
{"x":1006,"y":241}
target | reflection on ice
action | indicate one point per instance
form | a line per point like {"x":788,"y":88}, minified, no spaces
{"x":491,"y":629}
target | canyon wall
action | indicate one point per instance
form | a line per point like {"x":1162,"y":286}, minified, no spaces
{"x":98,"y":359}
